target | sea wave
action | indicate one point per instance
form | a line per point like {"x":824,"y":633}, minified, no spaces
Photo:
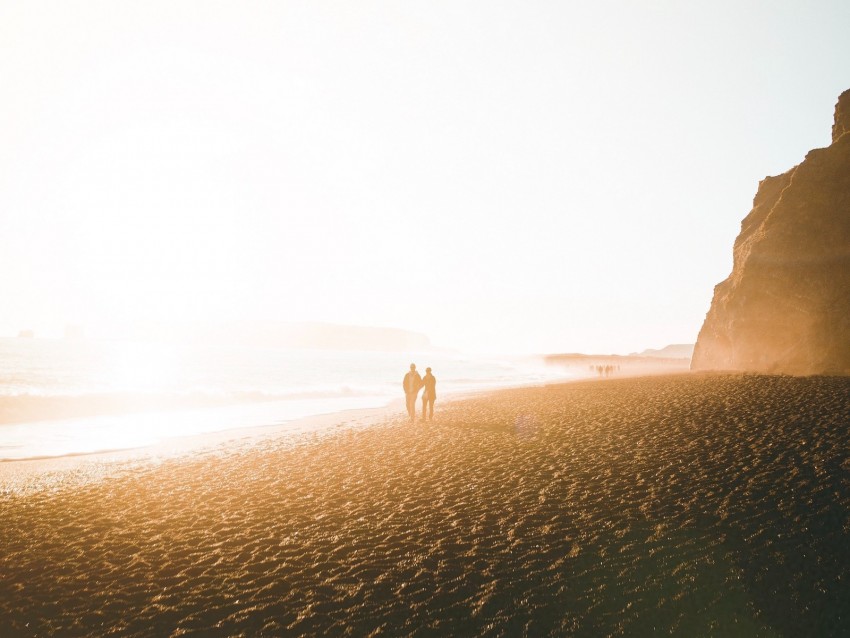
{"x":28,"y":406}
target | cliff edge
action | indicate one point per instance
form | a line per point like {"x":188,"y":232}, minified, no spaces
{"x":785,"y":309}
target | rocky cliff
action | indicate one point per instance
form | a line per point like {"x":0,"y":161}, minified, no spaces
{"x":785,"y":308}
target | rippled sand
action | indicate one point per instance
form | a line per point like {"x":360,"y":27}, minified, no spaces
{"x":697,"y":505}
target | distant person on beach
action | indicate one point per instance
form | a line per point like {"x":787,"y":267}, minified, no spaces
{"x":429,"y":382}
{"x":412,"y":382}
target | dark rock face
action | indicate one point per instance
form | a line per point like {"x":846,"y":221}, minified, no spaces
{"x":842,"y":116}
{"x":785,"y":308}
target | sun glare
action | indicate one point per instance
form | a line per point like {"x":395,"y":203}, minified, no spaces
{"x":141,"y":368}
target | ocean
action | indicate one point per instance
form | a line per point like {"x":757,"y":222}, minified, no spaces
{"x":63,"y":397}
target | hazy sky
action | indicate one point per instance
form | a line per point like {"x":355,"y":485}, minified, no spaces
{"x":502,"y":176}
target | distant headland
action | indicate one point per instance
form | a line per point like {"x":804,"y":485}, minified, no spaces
{"x":671,"y":358}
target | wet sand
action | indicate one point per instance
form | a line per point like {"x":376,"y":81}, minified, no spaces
{"x":690,"y":504}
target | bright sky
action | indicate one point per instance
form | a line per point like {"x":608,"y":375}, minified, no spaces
{"x":502,"y":176}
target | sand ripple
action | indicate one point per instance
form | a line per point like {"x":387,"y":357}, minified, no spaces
{"x":697,"y":505}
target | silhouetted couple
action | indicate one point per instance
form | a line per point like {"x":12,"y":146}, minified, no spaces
{"x":412,"y":384}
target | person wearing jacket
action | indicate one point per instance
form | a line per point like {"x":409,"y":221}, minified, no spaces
{"x":411,"y":384}
{"x":429,"y":395}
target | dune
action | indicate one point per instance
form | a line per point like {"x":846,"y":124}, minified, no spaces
{"x":687,"y":504}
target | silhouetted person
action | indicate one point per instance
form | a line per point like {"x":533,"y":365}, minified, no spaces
{"x":429,"y":381}
{"x":412,"y":382}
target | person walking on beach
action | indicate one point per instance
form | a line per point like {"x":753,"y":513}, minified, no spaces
{"x":429,"y":395}
{"x":412,"y":382}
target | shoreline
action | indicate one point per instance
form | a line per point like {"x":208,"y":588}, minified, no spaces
{"x":70,"y":470}
{"x":297,"y":426}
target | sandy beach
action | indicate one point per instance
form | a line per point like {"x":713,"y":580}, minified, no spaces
{"x":686,"y":505}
